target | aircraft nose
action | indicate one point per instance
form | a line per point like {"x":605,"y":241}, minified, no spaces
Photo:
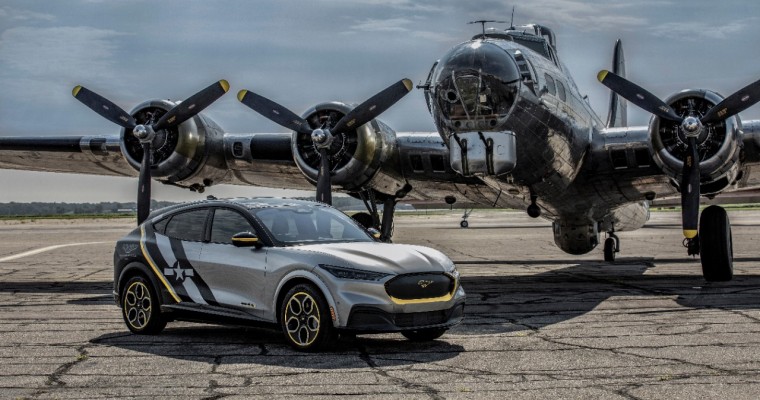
{"x":475,"y":86}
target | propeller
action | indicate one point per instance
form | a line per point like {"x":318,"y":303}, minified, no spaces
{"x":323,"y":136}
{"x":691,"y":125}
{"x":146,"y":133}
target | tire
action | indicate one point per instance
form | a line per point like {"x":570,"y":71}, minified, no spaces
{"x":424,"y":335}
{"x":609,"y":250}
{"x":716,"y":246}
{"x":305,"y":318}
{"x":141,"y":307}
{"x":464,"y":223}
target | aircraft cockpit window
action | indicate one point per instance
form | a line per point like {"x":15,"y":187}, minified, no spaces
{"x":550,"y":86}
{"x":476,"y":85}
{"x":536,"y":44}
{"x":427,"y":87}
{"x":561,"y":91}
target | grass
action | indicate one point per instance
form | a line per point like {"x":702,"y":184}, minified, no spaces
{"x":67,"y":216}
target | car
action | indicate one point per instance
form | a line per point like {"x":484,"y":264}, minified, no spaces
{"x":302,"y":266}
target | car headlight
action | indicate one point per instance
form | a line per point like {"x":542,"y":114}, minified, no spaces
{"x":352,"y":273}
{"x":451,"y":269}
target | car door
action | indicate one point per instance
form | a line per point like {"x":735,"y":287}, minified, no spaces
{"x":179,"y":244}
{"x":235,"y":274}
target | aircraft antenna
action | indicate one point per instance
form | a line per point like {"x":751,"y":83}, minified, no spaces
{"x":512,"y":20}
{"x":482,"y":23}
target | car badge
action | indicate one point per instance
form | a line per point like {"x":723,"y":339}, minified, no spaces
{"x":423,"y":283}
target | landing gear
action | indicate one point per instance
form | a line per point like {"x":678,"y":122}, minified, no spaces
{"x":372,"y":218}
{"x":717,"y":253}
{"x":534,"y":211}
{"x":464,"y":223}
{"x":611,"y":247}
{"x":714,"y":245}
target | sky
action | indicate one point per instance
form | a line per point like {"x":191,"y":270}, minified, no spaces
{"x":300,"y":53}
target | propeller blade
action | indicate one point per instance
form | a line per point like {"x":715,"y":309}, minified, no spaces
{"x":274,"y":112}
{"x":734,"y":104}
{"x":193,"y":105}
{"x":373,"y":107}
{"x":637,"y":95}
{"x":324,"y":185}
{"x":690,"y":190}
{"x":104,"y":107}
{"x":143,"y":190}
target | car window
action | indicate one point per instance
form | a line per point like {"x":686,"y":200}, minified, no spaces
{"x":187,"y":225}
{"x":226,"y":224}
{"x":160,"y":226}
{"x":298,"y":225}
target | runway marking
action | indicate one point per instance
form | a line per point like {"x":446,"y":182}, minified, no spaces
{"x":44,"y":249}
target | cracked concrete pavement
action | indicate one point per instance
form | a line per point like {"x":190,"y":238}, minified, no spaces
{"x":539,"y":324}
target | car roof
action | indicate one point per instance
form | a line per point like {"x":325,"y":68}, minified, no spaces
{"x":248,"y":203}
{"x":269,"y":202}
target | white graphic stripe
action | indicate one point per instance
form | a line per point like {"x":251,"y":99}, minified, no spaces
{"x":44,"y":249}
{"x":165,"y":247}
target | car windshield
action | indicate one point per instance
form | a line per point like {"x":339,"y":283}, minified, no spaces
{"x":309,"y":224}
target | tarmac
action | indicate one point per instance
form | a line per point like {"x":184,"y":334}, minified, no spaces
{"x":539,"y":323}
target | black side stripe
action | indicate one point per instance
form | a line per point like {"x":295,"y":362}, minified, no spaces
{"x":155,"y":253}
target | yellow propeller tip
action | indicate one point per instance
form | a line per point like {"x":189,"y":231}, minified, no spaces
{"x":689,"y":233}
{"x":408,"y":84}
{"x":601,"y":75}
{"x":242,"y":94}
{"x":225,"y":85}
{"x":76,"y":90}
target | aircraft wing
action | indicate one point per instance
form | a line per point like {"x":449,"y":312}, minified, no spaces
{"x":621,"y":158}
{"x":96,"y":155}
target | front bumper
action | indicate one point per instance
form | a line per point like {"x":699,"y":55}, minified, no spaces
{"x":372,"y":319}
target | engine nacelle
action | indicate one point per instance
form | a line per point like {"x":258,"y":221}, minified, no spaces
{"x":182,"y":155}
{"x":719,"y":144}
{"x":360,"y":159}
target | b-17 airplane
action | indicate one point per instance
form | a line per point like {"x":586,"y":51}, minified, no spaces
{"x":513,"y":131}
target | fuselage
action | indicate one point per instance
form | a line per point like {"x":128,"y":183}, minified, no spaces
{"x":513,"y":82}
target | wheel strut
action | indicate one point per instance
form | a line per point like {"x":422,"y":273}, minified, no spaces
{"x":386,"y":228}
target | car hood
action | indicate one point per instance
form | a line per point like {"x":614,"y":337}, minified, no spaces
{"x":381,"y":257}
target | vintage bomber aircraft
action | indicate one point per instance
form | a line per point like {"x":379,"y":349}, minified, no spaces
{"x":513,"y":131}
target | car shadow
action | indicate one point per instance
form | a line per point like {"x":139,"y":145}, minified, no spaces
{"x":222,"y":345}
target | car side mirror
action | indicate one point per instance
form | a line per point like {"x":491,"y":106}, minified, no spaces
{"x":374,"y":232}
{"x":246,"y":239}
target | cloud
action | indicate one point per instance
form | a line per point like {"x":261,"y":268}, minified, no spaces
{"x":58,"y":51}
{"x":14,"y":14}
{"x":424,"y":6}
{"x":692,"y":31}
{"x":51,"y":61}
{"x":382,"y":25}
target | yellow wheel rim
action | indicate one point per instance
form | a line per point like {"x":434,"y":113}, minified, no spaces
{"x":137,"y":305}
{"x":302,"y":319}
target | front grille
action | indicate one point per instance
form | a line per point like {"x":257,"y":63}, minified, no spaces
{"x":419,"y":286}
{"x":421,"y":318}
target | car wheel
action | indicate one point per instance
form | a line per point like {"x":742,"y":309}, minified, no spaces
{"x":424,"y":335}
{"x":140,"y":307}
{"x":305,"y":318}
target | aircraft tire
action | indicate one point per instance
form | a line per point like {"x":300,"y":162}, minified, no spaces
{"x":716,"y":247}
{"x":609,"y":250}
{"x":464,"y":224}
